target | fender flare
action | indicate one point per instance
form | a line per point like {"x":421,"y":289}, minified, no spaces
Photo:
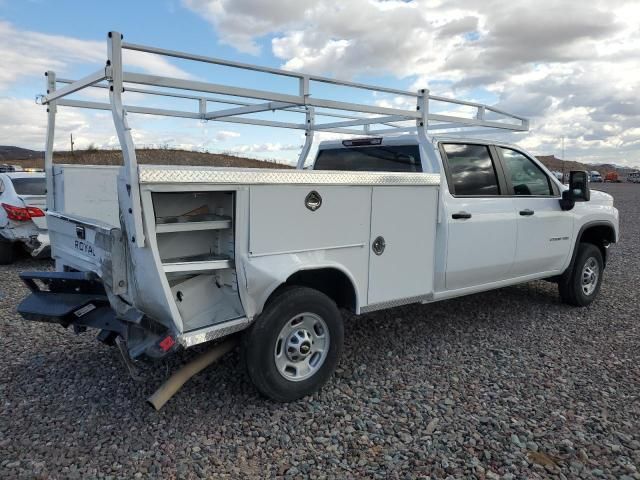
{"x":333,"y":266}
{"x":583,"y":228}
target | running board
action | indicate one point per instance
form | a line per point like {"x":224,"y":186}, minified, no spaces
{"x":206,"y":334}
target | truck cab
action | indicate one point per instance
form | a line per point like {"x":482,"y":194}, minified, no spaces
{"x":486,"y":186}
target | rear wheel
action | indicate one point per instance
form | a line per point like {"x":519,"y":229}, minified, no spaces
{"x":6,"y":252}
{"x":581,"y":285}
{"x":295,"y":344}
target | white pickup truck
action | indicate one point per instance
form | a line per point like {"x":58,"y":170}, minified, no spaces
{"x":163,"y":257}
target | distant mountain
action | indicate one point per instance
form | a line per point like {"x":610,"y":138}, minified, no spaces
{"x":33,"y":158}
{"x":161,"y":156}
{"x":9,"y":154}
{"x":554,"y":163}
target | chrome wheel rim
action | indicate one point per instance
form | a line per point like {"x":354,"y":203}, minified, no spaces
{"x":590,"y":275}
{"x":301,"y":347}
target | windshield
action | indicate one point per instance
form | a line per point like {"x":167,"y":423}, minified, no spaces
{"x":29,"y":186}
{"x":404,"y":158}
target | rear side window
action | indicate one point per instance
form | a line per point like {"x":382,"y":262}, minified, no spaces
{"x":527,"y":178}
{"x":405,"y":158}
{"x":29,"y":186}
{"x":471,"y":170}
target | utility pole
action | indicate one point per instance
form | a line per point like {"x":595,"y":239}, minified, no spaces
{"x":71,"y":143}
{"x":563,"y":160}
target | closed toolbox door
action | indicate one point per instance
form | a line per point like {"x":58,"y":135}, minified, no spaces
{"x":401,"y":247}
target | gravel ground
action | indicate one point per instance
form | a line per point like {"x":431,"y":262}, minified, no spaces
{"x":509,"y":384}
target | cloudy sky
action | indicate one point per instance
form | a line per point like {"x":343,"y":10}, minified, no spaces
{"x":572,"y":67}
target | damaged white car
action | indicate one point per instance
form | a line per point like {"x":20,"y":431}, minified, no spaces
{"x":22,"y":218}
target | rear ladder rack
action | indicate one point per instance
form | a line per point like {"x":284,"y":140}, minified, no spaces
{"x":426,"y":113}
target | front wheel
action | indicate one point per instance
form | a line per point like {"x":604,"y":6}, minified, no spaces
{"x":295,"y":344}
{"x":580,"y":286}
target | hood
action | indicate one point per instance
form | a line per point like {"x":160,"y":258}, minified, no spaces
{"x":601,"y":198}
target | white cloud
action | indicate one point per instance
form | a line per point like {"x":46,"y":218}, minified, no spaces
{"x":24,"y":123}
{"x":29,"y":54}
{"x":239,"y":22}
{"x":572,"y":67}
{"x":223,"y":135}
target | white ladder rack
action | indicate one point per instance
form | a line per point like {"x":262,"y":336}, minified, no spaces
{"x":429,"y":113}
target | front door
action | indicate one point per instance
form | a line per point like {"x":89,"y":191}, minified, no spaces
{"x":481,"y":221}
{"x":544,"y":229}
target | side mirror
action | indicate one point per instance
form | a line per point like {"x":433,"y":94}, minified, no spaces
{"x":578,"y":190}
{"x":579,"y":185}
{"x":567,"y":202}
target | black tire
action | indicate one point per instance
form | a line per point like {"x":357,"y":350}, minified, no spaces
{"x":6,"y":252}
{"x":261,"y":343}
{"x":570,"y":285}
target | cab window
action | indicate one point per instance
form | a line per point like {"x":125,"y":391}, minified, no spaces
{"x":471,"y":170}
{"x":385,"y":158}
{"x":526,"y":177}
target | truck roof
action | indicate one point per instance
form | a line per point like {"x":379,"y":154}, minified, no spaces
{"x":384,"y":140}
{"x":409,"y":139}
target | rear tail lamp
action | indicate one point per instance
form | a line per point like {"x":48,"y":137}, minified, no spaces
{"x":22,"y":214}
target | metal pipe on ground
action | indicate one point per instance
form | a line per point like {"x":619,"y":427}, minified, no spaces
{"x":175,"y":382}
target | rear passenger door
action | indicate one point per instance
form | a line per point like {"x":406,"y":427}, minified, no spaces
{"x":481,"y":220}
{"x":544,"y":229}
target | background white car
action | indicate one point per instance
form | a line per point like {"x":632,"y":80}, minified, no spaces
{"x":22,"y":217}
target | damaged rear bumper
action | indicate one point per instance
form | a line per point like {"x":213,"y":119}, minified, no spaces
{"x":41,"y":246}
{"x":79,"y":300}
{"x":35,"y":241}
{"x":72,"y":298}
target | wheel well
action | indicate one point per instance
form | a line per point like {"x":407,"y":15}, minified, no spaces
{"x":600,"y":236}
{"x":330,"y":281}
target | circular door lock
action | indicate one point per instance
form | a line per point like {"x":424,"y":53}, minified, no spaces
{"x":313,"y":201}
{"x":378,"y":245}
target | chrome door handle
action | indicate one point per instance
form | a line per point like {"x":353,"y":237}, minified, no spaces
{"x":527,"y":212}
{"x":461,"y":216}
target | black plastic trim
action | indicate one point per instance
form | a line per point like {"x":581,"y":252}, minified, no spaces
{"x":583,"y":228}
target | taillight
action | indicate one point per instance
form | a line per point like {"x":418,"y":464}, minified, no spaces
{"x":22,"y":214}
{"x":35,"y":212}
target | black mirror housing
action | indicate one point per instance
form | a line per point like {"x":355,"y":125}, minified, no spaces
{"x":567,"y":202}
{"x":578,"y":190}
{"x":579,"y":185}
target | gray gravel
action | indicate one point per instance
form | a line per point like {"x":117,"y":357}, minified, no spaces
{"x":509,"y":384}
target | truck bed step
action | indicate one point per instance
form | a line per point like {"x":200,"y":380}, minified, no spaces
{"x":56,"y":307}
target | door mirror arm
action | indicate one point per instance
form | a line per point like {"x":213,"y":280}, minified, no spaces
{"x":567,"y":202}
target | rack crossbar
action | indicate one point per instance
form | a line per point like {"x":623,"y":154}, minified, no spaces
{"x":227,"y":101}
{"x":261,"y":107}
{"x":258,"y":68}
{"x":87,"y":81}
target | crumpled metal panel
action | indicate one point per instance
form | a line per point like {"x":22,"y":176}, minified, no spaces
{"x":162,"y":174}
